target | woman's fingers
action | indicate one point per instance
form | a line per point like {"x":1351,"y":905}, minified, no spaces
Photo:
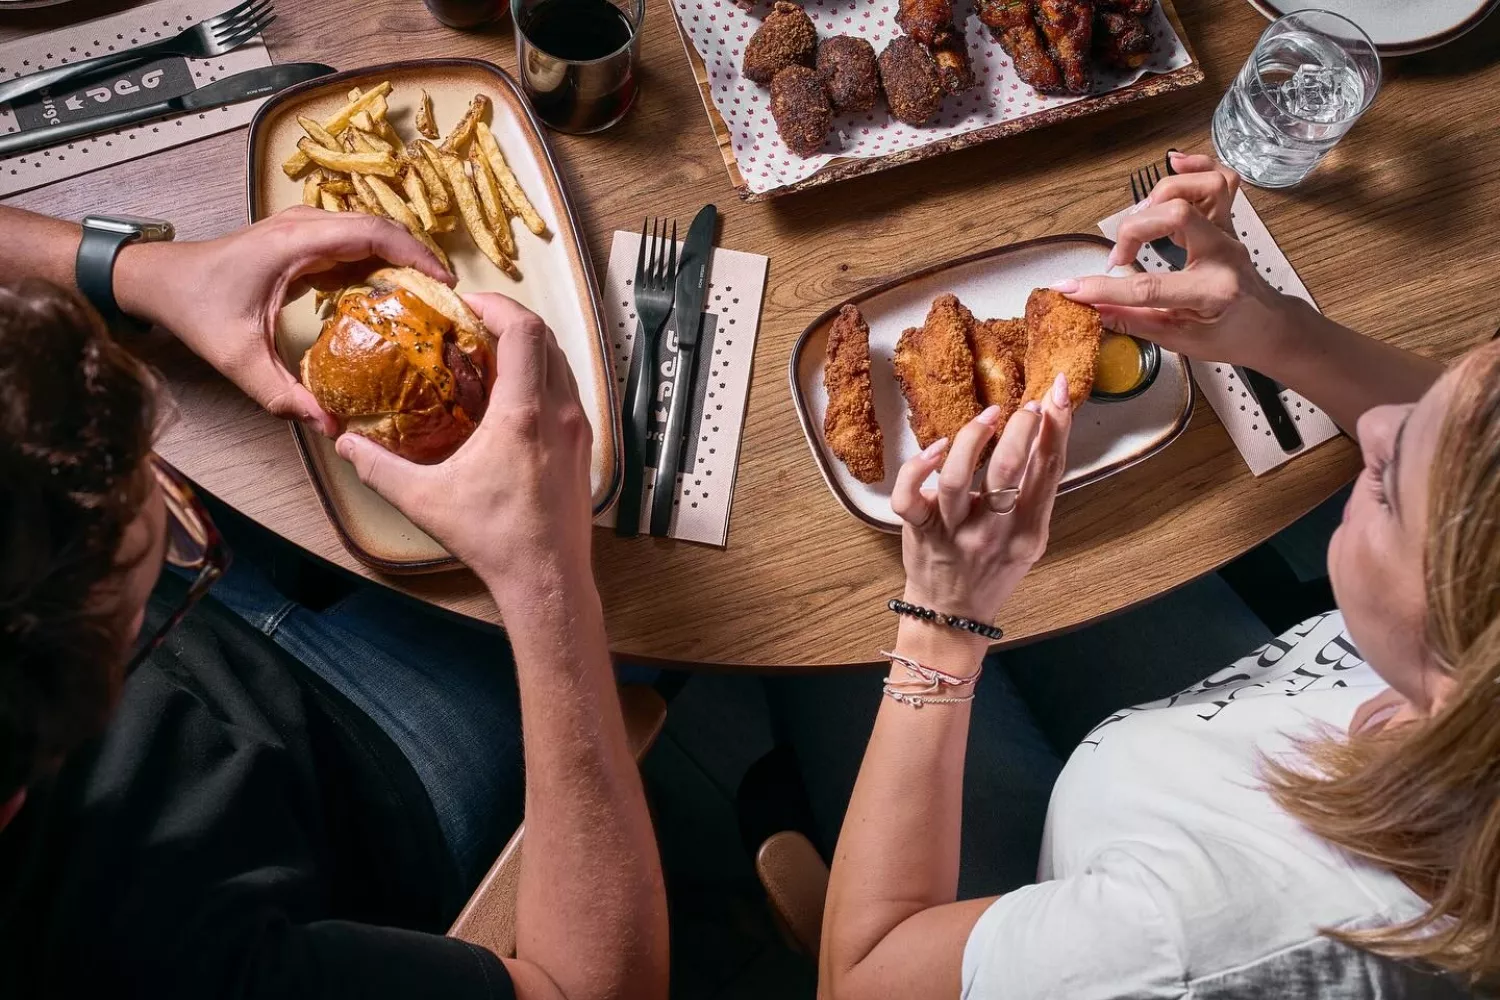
{"x":1007,"y":466}
{"x":1177,"y":219}
{"x":954,"y":497}
{"x":1208,"y":191}
{"x":908,"y":500}
{"x":1048,"y":462}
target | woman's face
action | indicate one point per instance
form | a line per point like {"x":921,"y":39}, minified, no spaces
{"x":1375,"y":559}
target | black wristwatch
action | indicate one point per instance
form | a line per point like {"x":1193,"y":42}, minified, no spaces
{"x":103,"y":236}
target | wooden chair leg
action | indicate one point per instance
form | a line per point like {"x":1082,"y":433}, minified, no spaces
{"x":796,"y":882}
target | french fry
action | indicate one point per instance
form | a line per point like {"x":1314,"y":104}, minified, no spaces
{"x":431,"y":168}
{"x":317,"y":133}
{"x":489,"y":196}
{"x":334,"y":124}
{"x":464,"y":130}
{"x":398,"y":210}
{"x":338,"y":186}
{"x":362,"y":122}
{"x":443,"y":224}
{"x":368,"y":202}
{"x":473,"y":215}
{"x":369,"y":142}
{"x":416,"y":193}
{"x":355,"y":94}
{"x":312,"y":188}
{"x":330,"y":201}
{"x":426,"y":127}
{"x":380,"y":111}
{"x":507,"y":180}
{"x":379,"y":164}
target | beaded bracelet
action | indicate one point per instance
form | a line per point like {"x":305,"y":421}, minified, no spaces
{"x":990,"y":632}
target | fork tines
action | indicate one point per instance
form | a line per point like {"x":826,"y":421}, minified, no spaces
{"x":1143,"y":180}
{"x":238,"y":24}
{"x":660,"y":270}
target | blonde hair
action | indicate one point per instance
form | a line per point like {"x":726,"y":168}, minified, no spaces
{"x":1422,"y":801}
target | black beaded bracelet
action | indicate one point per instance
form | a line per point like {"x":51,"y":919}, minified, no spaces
{"x":990,"y":632}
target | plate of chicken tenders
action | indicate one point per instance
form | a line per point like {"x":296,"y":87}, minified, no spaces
{"x":879,"y":377}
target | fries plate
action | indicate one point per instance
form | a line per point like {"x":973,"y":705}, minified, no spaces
{"x":556,"y":277}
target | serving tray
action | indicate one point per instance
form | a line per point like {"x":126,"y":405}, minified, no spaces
{"x":557,"y":279}
{"x":1107,"y":436}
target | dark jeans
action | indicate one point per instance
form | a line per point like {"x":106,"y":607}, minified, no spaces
{"x":1033,"y":705}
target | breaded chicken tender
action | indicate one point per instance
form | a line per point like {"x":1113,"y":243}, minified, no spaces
{"x":1061,"y":336}
{"x":1000,"y":364}
{"x":785,"y":38}
{"x":801,"y":110}
{"x":847,"y":67}
{"x":849,"y":425}
{"x":913,"y":86}
{"x":935,"y":367}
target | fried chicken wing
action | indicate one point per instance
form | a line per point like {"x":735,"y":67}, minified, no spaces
{"x":955,"y":71}
{"x":1000,"y":363}
{"x":928,"y":21}
{"x":1061,"y":336}
{"x":849,"y":425}
{"x":1121,"y":39}
{"x":935,"y":368}
{"x":1139,"y":8}
{"x":1011,"y":23}
{"x":1068,"y":26}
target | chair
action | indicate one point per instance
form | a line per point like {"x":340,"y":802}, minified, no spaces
{"x":796,"y":882}
{"x":489,"y":919}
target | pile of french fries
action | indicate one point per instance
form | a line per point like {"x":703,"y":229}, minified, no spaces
{"x":354,"y":161}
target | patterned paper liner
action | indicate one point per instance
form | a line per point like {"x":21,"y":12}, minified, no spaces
{"x":718,"y":30}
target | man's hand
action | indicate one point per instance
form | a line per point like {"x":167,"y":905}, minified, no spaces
{"x":221,"y":297}
{"x":514,"y":502}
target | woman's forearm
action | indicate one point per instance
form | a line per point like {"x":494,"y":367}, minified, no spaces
{"x":889,"y":926}
{"x":1342,"y":372}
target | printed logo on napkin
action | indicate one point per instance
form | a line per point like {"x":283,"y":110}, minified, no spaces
{"x":666,"y":371}
{"x":123,"y":90}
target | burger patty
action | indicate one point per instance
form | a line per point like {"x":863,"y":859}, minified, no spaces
{"x":468,"y":387}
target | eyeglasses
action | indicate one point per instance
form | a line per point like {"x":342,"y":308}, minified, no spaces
{"x":193,"y":543}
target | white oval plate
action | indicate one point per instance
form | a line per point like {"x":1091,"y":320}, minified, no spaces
{"x":1397,"y":27}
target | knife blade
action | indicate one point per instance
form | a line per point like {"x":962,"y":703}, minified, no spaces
{"x":692,"y":295}
{"x":231,"y":90}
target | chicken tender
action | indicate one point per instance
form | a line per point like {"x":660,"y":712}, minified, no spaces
{"x":1000,"y":364}
{"x":785,"y":38}
{"x":801,"y":110}
{"x":1011,"y":23}
{"x":935,"y":368}
{"x":1061,"y":336}
{"x":849,"y":425}
{"x":847,"y":68}
{"x":913,"y":87}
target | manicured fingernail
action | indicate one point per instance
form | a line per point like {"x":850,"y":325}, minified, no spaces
{"x":1033,"y":407}
{"x":935,"y":449}
{"x":991,"y":416}
{"x":1060,"y":390}
{"x":1066,"y":286}
{"x":1175,"y":152}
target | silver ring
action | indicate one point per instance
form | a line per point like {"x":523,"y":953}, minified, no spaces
{"x":1002,"y":501}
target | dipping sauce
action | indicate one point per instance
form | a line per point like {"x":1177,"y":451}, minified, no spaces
{"x":1120,"y":364}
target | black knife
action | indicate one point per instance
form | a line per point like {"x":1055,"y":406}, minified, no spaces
{"x":692,"y":295}
{"x":1262,"y":389}
{"x":231,"y":90}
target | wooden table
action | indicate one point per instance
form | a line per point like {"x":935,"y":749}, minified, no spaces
{"x":1394,"y":235}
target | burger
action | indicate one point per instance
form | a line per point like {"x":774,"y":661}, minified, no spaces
{"x":404,"y":362}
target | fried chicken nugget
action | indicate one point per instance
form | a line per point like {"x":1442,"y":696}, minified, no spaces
{"x":913,"y":86}
{"x":935,"y":368}
{"x":847,"y":67}
{"x":1000,"y":363}
{"x":1061,"y":336}
{"x":801,"y":110}
{"x":849,"y":425}
{"x":787,"y":37}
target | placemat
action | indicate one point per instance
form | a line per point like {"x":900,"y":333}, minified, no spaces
{"x":159,"y":80}
{"x":726,"y":352}
{"x":718,"y":30}
{"x":1220,"y":385}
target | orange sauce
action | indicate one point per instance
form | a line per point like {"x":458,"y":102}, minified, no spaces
{"x":399,"y":316}
{"x":1120,"y":368}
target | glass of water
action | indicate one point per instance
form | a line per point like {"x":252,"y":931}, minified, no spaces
{"x":1311,"y":76}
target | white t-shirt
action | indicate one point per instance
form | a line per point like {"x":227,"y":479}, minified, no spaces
{"x":1167,"y":871}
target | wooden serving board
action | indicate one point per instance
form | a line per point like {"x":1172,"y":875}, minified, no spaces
{"x":842,"y":168}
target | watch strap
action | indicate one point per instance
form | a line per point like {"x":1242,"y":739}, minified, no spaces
{"x":94,"y":271}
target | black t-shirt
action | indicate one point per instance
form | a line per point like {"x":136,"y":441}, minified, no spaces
{"x":241,"y":830}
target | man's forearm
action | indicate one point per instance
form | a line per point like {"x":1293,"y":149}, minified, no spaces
{"x":38,"y":246}
{"x":591,"y":910}
{"x":1342,"y":372}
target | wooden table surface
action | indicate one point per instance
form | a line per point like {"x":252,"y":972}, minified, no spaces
{"x":1394,"y":235}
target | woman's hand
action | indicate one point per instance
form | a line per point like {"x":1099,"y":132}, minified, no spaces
{"x":514,"y":502}
{"x":962,"y":556}
{"x":1219,"y":307}
{"x":221,"y":297}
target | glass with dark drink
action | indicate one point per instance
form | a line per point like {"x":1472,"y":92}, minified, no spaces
{"x":577,"y":59}
{"x":466,"y":13}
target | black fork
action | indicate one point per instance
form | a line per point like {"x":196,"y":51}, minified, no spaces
{"x":655,"y":291}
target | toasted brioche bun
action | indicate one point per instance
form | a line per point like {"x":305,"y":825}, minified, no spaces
{"x":404,"y":362}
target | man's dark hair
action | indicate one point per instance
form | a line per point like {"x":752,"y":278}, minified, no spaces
{"x":77,"y":414}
